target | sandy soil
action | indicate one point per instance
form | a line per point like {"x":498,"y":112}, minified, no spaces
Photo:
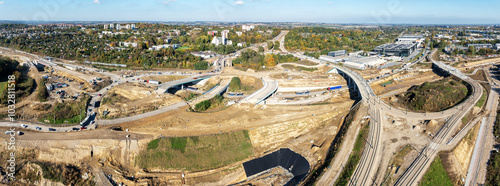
{"x":134,"y":98}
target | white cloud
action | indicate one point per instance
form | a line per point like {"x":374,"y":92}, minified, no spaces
{"x":239,"y":2}
{"x":167,"y":2}
{"x":97,"y":1}
{"x":2,"y":2}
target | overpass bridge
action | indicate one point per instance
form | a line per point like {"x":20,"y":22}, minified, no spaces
{"x":219,"y":89}
{"x":270,"y":87}
{"x":163,"y":88}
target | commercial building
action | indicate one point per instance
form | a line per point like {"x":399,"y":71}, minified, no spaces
{"x":497,"y":46}
{"x":411,"y":38}
{"x":402,"y":49}
{"x":479,"y":46}
{"x":337,"y":53}
{"x":127,"y":26}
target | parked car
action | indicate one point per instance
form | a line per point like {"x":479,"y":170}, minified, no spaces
{"x":83,"y":128}
{"x":76,"y":129}
{"x":24,"y":126}
{"x":8,"y":132}
{"x":38,"y":128}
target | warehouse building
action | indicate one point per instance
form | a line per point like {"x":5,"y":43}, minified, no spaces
{"x":337,"y":53}
{"x":402,"y":49}
{"x":364,"y":62}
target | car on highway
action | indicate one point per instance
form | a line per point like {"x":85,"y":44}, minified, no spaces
{"x":8,"y":132}
{"x":52,"y":129}
{"x":24,"y":126}
{"x":76,"y":129}
{"x":92,"y":122}
{"x":83,"y":128}
{"x":38,"y":128}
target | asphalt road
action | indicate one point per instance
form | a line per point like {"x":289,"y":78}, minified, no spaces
{"x":270,"y":86}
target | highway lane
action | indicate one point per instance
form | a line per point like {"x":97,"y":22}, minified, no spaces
{"x":270,"y":86}
{"x":223,"y":85}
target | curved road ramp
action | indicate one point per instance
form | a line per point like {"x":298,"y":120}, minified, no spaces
{"x":285,"y":158}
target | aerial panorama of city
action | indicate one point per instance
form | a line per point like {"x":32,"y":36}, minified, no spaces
{"x":249,"y":92}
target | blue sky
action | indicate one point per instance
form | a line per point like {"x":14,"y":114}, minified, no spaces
{"x":325,"y":11}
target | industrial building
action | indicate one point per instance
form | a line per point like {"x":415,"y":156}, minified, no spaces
{"x":330,"y":59}
{"x":337,"y":53}
{"x":402,"y":49}
{"x":363,"y":62}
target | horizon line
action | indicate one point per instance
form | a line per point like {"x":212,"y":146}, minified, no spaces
{"x":301,"y":22}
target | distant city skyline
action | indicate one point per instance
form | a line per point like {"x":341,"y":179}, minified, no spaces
{"x":320,"y":11}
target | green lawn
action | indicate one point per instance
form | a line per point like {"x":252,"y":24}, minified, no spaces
{"x":196,"y":153}
{"x":483,"y":99}
{"x":436,"y":175}
{"x":3,"y":84}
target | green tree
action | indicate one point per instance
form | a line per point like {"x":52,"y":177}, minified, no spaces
{"x":270,"y":45}
{"x":42,"y":93}
{"x":261,"y":49}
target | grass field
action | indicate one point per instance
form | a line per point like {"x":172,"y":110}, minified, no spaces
{"x":68,"y":112}
{"x":483,"y":99}
{"x":196,"y":153}
{"x":436,"y":175}
{"x":3,"y":84}
{"x":435,"y":96}
{"x":357,"y":151}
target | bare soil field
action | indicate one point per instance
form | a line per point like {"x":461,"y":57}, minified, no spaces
{"x":134,"y":98}
{"x":164,"y":79}
{"x":298,"y":79}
